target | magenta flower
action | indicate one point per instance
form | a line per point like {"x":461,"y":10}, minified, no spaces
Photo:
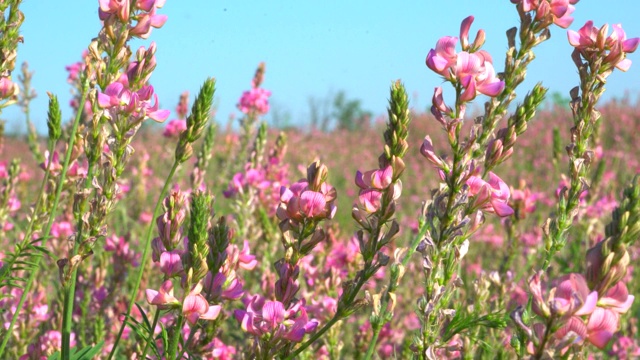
{"x":570,"y":297}
{"x":476,"y":74}
{"x":8,"y":88}
{"x":602,"y":324}
{"x":119,"y":7}
{"x":195,"y":307}
{"x":443,"y":58}
{"x":590,"y":42}
{"x":117,"y":99}
{"x":375,"y":179}
{"x":299,"y":202}
{"x":270,"y":317}
{"x":617,"y":299}
{"x":174,"y":128}
{"x":163,"y":298}
{"x":255,"y":100}
{"x":146,"y":22}
{"x":171,"y":263}
{"x":491,"y":196}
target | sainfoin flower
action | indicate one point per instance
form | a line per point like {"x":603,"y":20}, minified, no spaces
{"x":270,"y":317}
{"x":590,"y":41}
{"x":255,"y":100}
{"x":299,"y":202}
{"x":174,"y":128}
{"x":571,"y":297}
{"x":491,"y":196}
{"x":118,"y":99}
{"x":195,"y":307}
{"x":472,"y":69}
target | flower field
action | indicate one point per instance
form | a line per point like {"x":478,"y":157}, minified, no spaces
{"x":489,"y":226}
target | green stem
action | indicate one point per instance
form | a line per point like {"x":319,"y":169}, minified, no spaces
{"x":377,"y":327}
{"x":69,"y":295}
{"x":315,"y":337}
{"x":145,"y":255}
{"x":28,"y":235}
{"x":175,"y":339}
{"x":52,"y":216}
{"x":152,"y":330}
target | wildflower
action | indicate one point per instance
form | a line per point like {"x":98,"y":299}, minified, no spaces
{"x":174,"y":128}
{"x":492,"y":196}
{"x":299,"y":202}
{"x":255,"y":100}
{"x":163,"y":298}
{"x":270,"y":317}
{"x":602,"y":324}
{"x":118,"y":99}
{"x":195,"y":307}
{"x":570,"y":297}
{"x":591,"y":43}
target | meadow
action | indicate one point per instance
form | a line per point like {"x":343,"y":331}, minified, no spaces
{"x":496,"y":224}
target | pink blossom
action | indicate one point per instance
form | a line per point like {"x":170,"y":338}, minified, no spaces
{"x":590,"y":42}
{"x":119,"y":7}
{"x":299,"y":202}
{"x":163,"y":298}
{"x":120,"y":100}
{"x":171,"y":263}
{"x":617,"y":299}
{"x":492,"y":196}
{"x":255,"y":100}
{"x":8,"y":88}
{"x":602,"y":324}
{"x":195,"y":307}
{"x":270,"y":317}
{"x":174,"y":128}
{"x":146,"y":22}
{"x":570,"y":297}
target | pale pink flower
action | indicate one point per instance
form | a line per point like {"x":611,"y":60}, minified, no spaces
{"x":119,"y":7}
{"x":270,"y":317}
{"x":120,"y":100}
{"x":255,"y":100}
{"x":163,"y":298}
{"x":195,"y":307}
{"x":146,"y":22}
{"x":174,"y":128}
{"x":602,"y":324}
{"x":590,"y":42}
{"x":570,"y":297}
{"x":491,"y":196}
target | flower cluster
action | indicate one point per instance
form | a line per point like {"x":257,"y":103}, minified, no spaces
{"x":471,"y":68}
{"x":593,"y":43}
{"x":144,"y":11}
{"x":550,"y":11}
{"x":271,"y":320}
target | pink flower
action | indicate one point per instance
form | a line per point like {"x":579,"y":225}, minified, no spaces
{"x":119,"y":7}
{"x":146,"y":22}
{"x":299,"y":202}
{"x":174,"y":128}
{"x":602,"y":324}
{"x":270,"y":317}
{"x":617,"y":299}
{"x":120,"y":100}
{"x":8,"y":88}
{"x":255,"y":100}
{"x":470,"y":68}
{"x":491,"y":196}
{"x":375,"y":179}
{"x":570,"y":297}
{"x":171,"y":263}
{"x":163,"y":298}
{"x":195,"y":307}
{"x":591,"y":44}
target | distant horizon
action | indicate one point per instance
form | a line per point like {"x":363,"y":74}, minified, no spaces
{"x":311,"y":50}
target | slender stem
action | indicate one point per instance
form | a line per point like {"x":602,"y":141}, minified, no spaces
{"x":153,"y":329}
{"x":27,"y":237}
{"x":175,"y":339}
{"x":145,"y":255}
{"x":377,"y":327}
{"x":315,"y":337}
{"x":68,"y":304}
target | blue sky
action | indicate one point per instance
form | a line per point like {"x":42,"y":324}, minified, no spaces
{"x":311,"y":48}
